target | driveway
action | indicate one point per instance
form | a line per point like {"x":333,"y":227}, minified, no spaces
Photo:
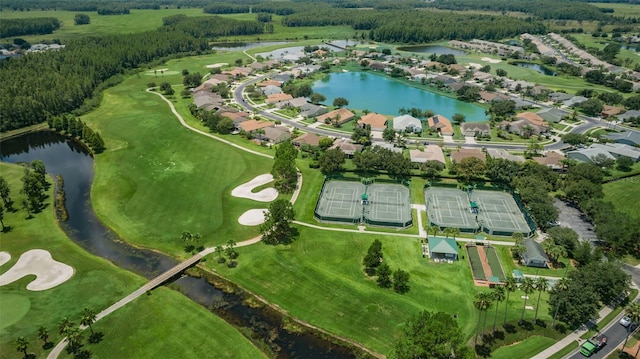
{"x":572,"y":217}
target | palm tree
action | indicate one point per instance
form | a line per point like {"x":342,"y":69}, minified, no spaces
{"x":88,"y":318}
{"x":510,"y":285}
{"x":633,"y":312}
{"x":455,"y":232}
{"x":561,"y":286}
{"x":518,"y":237}
{"x":21,"y":345}
{"x":64,"y":326}
{"x":43,"y":334}
{"x":447,"y":231}
{"x":527,"y":286}
{"x":74,"y":337}
{"x":498,"y":296}
{"x":186,"y":236}
{"x":219,"y":251}
{"x":542,"y":284}
{"x":481,"y":302}
{"x":434,"y":229}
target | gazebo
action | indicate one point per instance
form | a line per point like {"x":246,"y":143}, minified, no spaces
{"x":446,"y":248}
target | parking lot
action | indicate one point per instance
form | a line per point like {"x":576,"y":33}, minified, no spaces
{"x":572,"y":217}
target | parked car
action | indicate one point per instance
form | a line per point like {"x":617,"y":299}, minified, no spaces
{"x":625,"y":321}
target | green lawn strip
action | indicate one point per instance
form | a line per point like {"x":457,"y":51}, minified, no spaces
{"x":524,"y":349}
{"x":320,"y":279}
{"x":565,"y":351}
{"x":140,"y":330}
{"x":96,"y":284}
{"x":136,"y":21}
{"x":476,"y":263}
{"x":494,"y":262}
{"x":624,"y":200}
{"x":157,"y":178}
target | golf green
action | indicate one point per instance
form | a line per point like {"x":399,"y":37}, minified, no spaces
{"x":13,"y":307}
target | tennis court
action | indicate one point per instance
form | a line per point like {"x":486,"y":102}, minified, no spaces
{"x":340,"y":201}
{"x":498,"y":213}
{"x":449,"y":208}
{"x":389,"y":205}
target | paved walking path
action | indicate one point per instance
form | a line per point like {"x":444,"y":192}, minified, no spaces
{"x":420,"y":208}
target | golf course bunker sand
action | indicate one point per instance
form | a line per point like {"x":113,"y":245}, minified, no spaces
{"x":4,"y":257}
{"x":219,"y":64}
{"x":490,"y":60}
{"x":252,"y":217}
{"x":266,"y":195}
{"x":49,"y":272}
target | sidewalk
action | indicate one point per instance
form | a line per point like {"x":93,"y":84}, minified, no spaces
{"x":571,"y":338}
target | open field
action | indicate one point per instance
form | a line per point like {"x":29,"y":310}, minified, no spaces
{"x":136,"y":21}
{"x":146,"y":320}
{"x":96,"y":284}
{"x":157,"y":178}
{"x":524,"y":349}
{"x":623,"y":199}
{"x":625,"y":10}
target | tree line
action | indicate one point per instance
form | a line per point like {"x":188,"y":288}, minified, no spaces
{"x":210,"y":26}
{"x":38,"y":86}
{"x":28,"y":26}
{"x":76,"y":128}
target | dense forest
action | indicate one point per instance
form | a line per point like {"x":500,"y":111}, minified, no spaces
{"x":210,"y":26}
{"x":34,"y":26}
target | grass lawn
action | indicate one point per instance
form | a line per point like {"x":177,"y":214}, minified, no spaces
{"x":524,"y":349}
{"x":624,"y":200}
{"x":137,"y":325}
{"x":509,"y":264}
{"x":565,"y":351}
{"x":95,"y":284}
{"x":157,"y":178}
{"x":136,"y":21}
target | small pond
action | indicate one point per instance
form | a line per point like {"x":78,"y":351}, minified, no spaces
{"x":539,"y":68}
{"x":432,"y":49}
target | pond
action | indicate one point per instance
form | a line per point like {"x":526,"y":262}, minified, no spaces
{"x":366,"y":90}
{"x":65,"y":157}
{"x":432,"y":49}
{"x":539,"y":68}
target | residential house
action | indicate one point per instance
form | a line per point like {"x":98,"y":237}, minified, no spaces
{"x":430,"y":153}
{"x":207,"y":100}
{"x":445,"y":80}
{"x":282,"y":77}
{"x":297,"y":102}
{"x":407,"y":123}
{"x":310,"y":110}
{"x":235,"y":116}
{"x":609,"y":111}
{"x":309,"y":139}
{"x":628,"y":138}
{"x":503,"y":154}
{"x":338,"y":116}
{"x":551,"y":159}
{"x":629,"y":115}
{"x":552,"y":114}
{"x":441,"y":125}
{"x":560,"y":96}
{"x":534,"y":256}
{"x":456,"y":86}
{"x":527,"y":124}
{"x":475,"y":129}
{"x":492,"y":96}
{"x":270,"y":83}
{"x":459,"y":155}
{"x":278,"y":97}
{"x":587,"y":154}
{"x":574,"y":101}
{"x":619,"y":150}
{"x":275,"y":135}
{"x":377,"y":121}
{"x":387,"y":146}
{"x":347,"y":147}
{"x":251,"y":126}
{"x":271,"y":90}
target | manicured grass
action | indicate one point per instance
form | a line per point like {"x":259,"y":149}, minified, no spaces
{"x":476,"y":263}
{"x":623,"y":199}
{"x":509,"y":264}
{"x":494,"y":262}
{"x":141,"y":331}
{"x":157,"y":178}
{"x":136,"y":21}
{"x":565,"y":351}
{"x":320,"y":279}
{"x":96,"y":284}
{"x":524,"y":349}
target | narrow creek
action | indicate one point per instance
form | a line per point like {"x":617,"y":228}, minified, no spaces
{"x":64,"y":157}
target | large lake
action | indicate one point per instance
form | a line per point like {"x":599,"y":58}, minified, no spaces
{"x":365,"y":90}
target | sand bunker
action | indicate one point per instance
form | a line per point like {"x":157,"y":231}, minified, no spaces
{"x":266,"y":195}
{"x":219,"y":64}
{"x":252,"y":217}
{"x":4,"y":257}
{"x":475,"y":65}
{"x":490,"y":60}
{"x":49,"y":272}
